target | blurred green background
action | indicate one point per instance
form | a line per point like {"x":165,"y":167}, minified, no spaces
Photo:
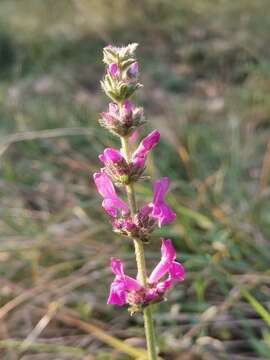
{"x":205,"y":66}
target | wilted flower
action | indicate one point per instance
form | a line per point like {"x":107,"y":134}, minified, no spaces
{"x":125,"y":289}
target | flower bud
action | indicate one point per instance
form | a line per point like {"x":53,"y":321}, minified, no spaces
{"x":120,"y":81}
{"x":133,"y":70}
{"x":113,"y":69}
{"x":124,"y":121}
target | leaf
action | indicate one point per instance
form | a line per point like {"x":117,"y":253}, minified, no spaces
{"x":260,"y":309}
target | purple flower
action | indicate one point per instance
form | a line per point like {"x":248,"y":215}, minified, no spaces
{"x":133,"y":70}
{"x":121,"y":285}
{"x":127,"y":289}
{"x":160,"y":210}
{"x":113,"y":69}
{"x":111,"y":203}
{"x":111,"y":155}
{"x":144,"y":147}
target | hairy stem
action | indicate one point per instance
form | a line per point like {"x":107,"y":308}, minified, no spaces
{"x":140,"y":259}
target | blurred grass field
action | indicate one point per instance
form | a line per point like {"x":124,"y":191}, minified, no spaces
{"x":205,"y":66}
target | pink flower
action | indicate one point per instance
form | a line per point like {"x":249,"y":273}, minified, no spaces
{"x":127,"y":289}
{"x":144,"y":147}
{"x":111,"y":203}
{"x":113,"y":69}
{"x":111,"y":155}
{"x":160,"y":210}
{"x":121,"y":285}
{"x":167,"y":264}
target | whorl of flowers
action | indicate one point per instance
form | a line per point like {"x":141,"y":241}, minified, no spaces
{"x":123,"y":119}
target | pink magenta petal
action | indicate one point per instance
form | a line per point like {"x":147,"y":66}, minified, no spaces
{"x":111,"y":202}
{"x":139,"y":162}
{"x":168,"y":255}
{"x":177,"y":271}
{"x":164,"y":285}
{"x":161,"y":211}
{"x":168,"y":252}
{"x":147,"y":144}
{"x":159,"y":271}
{"x":113,"y":69}
{"x":132,"y":284}
{"x":117,"y":295}
{"x":127,"y":107}
{"x":117,"y":266}
{"x":113,"y":155}
{"x":104,"y":185}
{"x":109,"y":207}
{"x":102,"y":158}
{"x":161,"y":186}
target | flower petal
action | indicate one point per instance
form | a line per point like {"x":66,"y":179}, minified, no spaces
{"x":117,"y":294}
{"x":104,"y":185}
{"x":111,"y":202}
{"x":113,"y":155}
{"x":147,"y":144}
{"x":163,"y":213}
{"x":132,"y":284}
{"x":177,"y":271}
{"x":161,"y":210}
{"x":117,"y":267}
{"x":113,"y":69}
{"x":109,"y":206}
{"x":168,"y":253}
{"x":161,"y":186}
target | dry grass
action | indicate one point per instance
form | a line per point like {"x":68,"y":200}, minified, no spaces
{"x":205,"y":69}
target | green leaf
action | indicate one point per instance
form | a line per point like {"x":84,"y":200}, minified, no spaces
{"x":260,"y":309}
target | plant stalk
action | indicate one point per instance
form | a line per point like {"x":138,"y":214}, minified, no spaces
{"x":140,"y":259}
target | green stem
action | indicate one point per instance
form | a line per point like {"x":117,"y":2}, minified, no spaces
{"x":140,"y":259}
